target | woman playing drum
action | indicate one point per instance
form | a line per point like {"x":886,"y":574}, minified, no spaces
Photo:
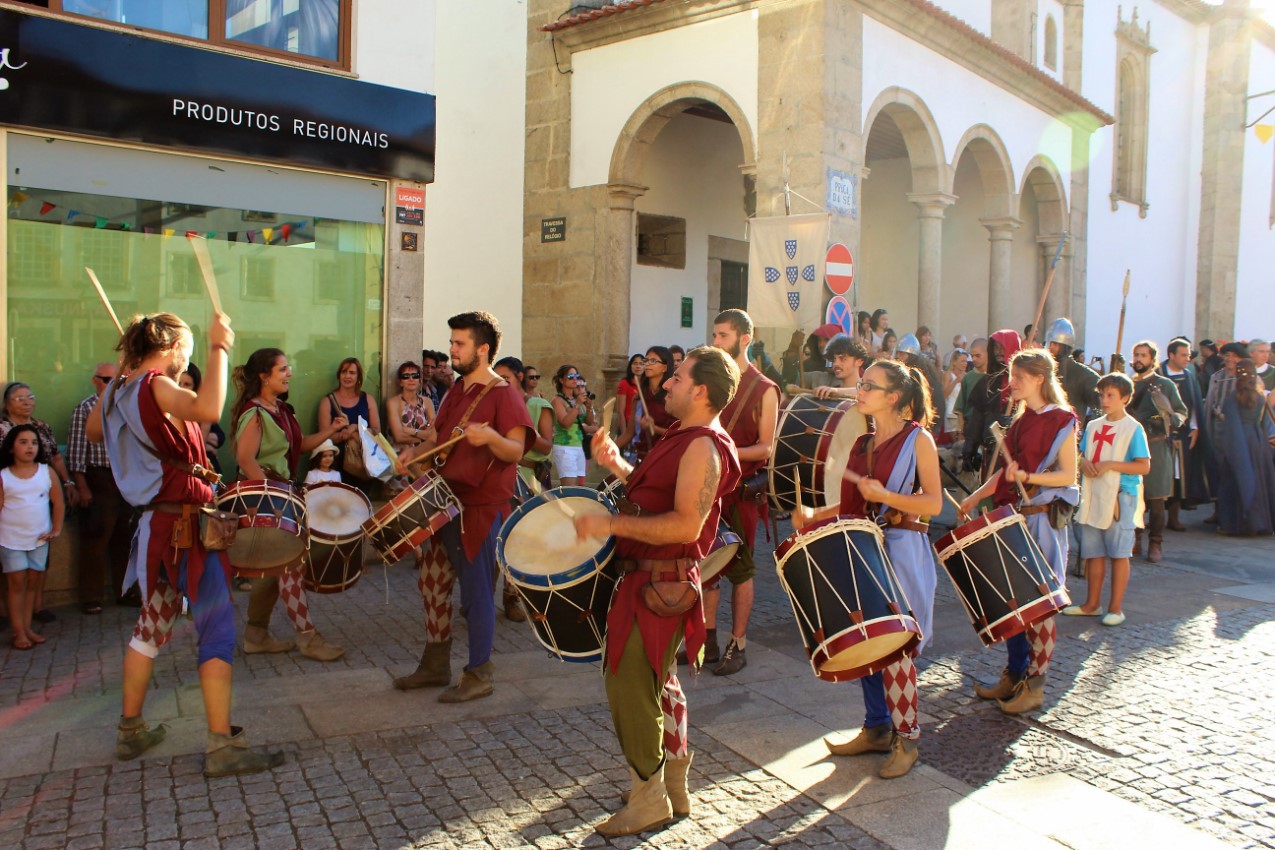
{"x":1041,"y":445}
{"x":895,"y":470}
{"x":654,"y":420}
{"x":268,"y":445}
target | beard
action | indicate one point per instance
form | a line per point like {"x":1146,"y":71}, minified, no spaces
{"x":733,"y":350}
{"x":1141,"y":368}
{"x":464,"y":367}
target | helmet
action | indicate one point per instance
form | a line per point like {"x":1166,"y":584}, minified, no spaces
{"x":1061,"y":332}
{"x":908,"y":344}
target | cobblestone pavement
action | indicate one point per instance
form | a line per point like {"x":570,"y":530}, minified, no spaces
{"x":1170,"y":712}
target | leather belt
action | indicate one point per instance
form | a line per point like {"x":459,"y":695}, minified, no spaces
{"x":628,"y":508}
{"x":170,"y":507}
{"x":1029,"y":510}
{"x":911,"y":525}
{"x":649,"y":565}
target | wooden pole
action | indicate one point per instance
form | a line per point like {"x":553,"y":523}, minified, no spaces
{"x":1044,"y":293}
{"x":1117,"y":359}
{"x":106,"y":302}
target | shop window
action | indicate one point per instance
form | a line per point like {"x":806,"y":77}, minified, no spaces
{"x":257,"y":283}
{"x":328,"y":283}
{"x":661,"y":241}
{"x":1133,"y":55}
{"x":1051,"y":43}
{"x":106,"y":258}
{"x":307,"y":30}
{"x":734,"y":286}
{"x":184,"y":278}
{"x":35,"y":255}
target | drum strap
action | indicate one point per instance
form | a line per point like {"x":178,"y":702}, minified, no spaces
{"x":192,"y":469}
{"x":746,"y":396}
{"x":441,"y":457}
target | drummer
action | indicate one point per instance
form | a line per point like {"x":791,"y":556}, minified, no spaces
{"x":848,"y":357}
{"x":676,"y":491}
{"x":889,"y":463}
{"x":1041,"y":442}
{"x":268,"y":445}
{"x":491,"y":416}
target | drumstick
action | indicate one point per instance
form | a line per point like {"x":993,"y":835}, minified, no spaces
{"x":955,"y":504}
{"x":999,"y":436}
{"x":645,"y":409}
{"x":608,"y":411}
{"x":390,"y":453}
{"x":106,"y":302}
{"x":200,"y":246}
{"x":453,"y":441}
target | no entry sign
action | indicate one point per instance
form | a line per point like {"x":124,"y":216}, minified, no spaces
{"x":839,"y":269}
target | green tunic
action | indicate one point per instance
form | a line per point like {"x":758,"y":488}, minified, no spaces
{"x":1158,"y":483}
{"x":273,"y":453}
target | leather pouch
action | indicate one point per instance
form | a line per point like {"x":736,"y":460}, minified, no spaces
{"x":217,"y":529}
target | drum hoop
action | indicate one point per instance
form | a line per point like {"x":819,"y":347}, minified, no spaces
{"x":991,"y":528}
{"x":819,"y":530}
{"x":863,"y":629}
{"x":341,"y":486}
{"x":548,"y":581}
{"x":396,"y":506}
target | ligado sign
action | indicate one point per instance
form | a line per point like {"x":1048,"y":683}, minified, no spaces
{"x":62,"y":76}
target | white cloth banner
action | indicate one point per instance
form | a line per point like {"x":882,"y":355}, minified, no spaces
{"x":785,"y":270}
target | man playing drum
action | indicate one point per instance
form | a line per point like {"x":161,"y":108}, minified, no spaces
{"x":893,"y":476}
{"x":480,"y":470}
{"x":666,"y":525}
{"x":750,"y":420}
{"x":1041,"y":444}
{"x":151,"y":429}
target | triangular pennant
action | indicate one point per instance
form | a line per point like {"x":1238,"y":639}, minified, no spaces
{"x":46,"y":208}
{"x":210,"y":235}
{"x":71,"y":214}
{"x":125,"y":226}
{"x":99,"y":223}
{"x":285,"y":231}
{"x":1264,"y":132}
{"x":232,"y":236}
{"x":168,"y":232}
{"x":267,"y":232}
{"x":191,"y":234}
{"x":249,"y":235}
{"x":148,"y":230}
{"x":18,"y":197}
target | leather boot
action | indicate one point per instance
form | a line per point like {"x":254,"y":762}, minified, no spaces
{"x":1028,"y":696}
{"x":1155,"y":552}
{"x":1003,"y":688}
{"x":435,"y":668}
{"x":513,"y":607}
{"x":903,"y":754}
{"x":228,"y":755}
{"x":473,"y":684}
{"x":258,"y":639}
{"x":1137,"y":544}
{"x":871,"y":739}
{"x":314,"y":646}
{"x":648,"y":807}
{"x":677,"y":784}
{"x":1174,"y":522}
{"x":712,"y":652}
{"x":134,"y":737}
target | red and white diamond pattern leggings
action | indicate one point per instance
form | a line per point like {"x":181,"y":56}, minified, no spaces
{"x":1041,"y":637}
{"x":436,"y":580}
{"x":295,"y":605}
{"x":155,"y":623}
{"x":899,"y":680}
{"x":673,"y":702}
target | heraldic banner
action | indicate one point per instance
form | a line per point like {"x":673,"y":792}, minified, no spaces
{"x":785,"y":270}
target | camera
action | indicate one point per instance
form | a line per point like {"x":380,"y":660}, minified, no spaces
{"x":592,"y":395}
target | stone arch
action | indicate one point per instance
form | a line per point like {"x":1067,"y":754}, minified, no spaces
{"x":1051,"y":195}
{"x":920,"y":134}
{"x":646,"y":122}
{"x":994,"y":167}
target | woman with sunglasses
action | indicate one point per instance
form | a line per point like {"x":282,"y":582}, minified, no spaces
{"x":897,"y":469}
{"x":573,"y":417}
{"x":650,"y":419}
{"x":410,"y":414}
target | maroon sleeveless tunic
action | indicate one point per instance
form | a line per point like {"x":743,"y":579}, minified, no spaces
{"x":883,"y":459}
{"x":1029,"y":439}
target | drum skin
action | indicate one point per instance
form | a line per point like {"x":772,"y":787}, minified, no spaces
{"x":411,"y":517}
{"x":850,"y":608}
{"x":565,"y":584}
{"x":272,"y":527}
{"x":813,"y":440}
{"x":725,"y":545}
{"x":336,"y":513}
{"x":998,"y":570}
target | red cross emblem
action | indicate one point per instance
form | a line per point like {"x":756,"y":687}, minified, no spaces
{"x":1106,"y":436}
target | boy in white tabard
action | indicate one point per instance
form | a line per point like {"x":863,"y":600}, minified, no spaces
{"x":1115,"y":456}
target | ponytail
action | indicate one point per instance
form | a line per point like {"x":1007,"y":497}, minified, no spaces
{"x":913,"y":389}
{"x":146,"y":335}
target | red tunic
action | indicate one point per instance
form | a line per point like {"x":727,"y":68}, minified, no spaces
{"x":883,"y":459}
{"x":662,"y":418}
{"x":483,"y":484}
{"x":653,"y":487}
{"x":745,"y":514}
{"x":185,"y":444}
{"x":1029,"y":439}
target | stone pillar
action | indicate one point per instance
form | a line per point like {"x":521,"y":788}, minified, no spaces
{"x":613,"y":298}
{"x":1000,"y":234}
{"x":1058,"y":303}
{"x":930,"y":208}
{"x":1222,"y":173}
{"x":404,"y":314}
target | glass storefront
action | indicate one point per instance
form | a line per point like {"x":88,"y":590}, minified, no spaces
{"x":292,"y":272}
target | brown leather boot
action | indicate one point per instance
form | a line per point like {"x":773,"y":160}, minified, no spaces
{"x":313,"y":645}
{"x":1137,"y":544}
{"x":228,"y":755}
{"x":435,"y":668}
{"x":1174,"y":522}
{"x":1155,"y":553}
{"x":473,"y":684}
{"x":513,"y":607}
{"x":648,"y":807}
{"x":258,"y":639}
{"x":134,"y":737}
{"x":676,"y":783}
{"x":1028,"y":696}
{"x":903,"y":754}
{"x":871,"y":739}
{"x":1003,"y":688}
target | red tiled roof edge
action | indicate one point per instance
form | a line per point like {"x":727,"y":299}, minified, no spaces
{"x":604,"y":12}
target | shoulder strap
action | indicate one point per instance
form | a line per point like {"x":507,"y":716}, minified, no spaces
{"x":747,"y":396}
{"x":441,"y":457}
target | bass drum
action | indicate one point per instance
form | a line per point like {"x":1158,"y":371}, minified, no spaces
{"x":336,"y":513}
{"x":812,"y":447}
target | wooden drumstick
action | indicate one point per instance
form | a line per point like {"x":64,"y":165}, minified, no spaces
{"x":999,"y":435}
{"x":955,"y":504}
{"x":645,"y":409}
{"x":608,"y":412}
{"x":106,"y":302}
{"x":453,"y":441}
{"x":200,"y":246}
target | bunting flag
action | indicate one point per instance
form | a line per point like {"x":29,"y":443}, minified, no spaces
{"x":1264,"y":132}
{"x":168,"y":232}
{"x":17,"y":197}
{"x":71,"y":214}
{"x":785,"y":270}
{"x":99,"y":223}
{"x":46,"y":208}
{"x":249,"y":235}
{"x":267,"y":232}
{"x":285,"y":231}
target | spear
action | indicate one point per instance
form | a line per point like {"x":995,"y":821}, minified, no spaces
{"x":1044,"y":293}
{"x":1117,"y":359}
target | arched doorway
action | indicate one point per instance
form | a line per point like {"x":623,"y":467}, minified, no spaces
{"x":1043,"y":211}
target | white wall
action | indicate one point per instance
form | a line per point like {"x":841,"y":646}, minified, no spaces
{"x":609,"y":83}
{"x":473,"y":211}
{"x":693,"y":172}
{"x":1160,"y":250}
{"x":966,"y":260}
{"x":1255,"y":287}
{"x":886,"y":268}
{"x":976,"y":13}
{"x":394,"y":41}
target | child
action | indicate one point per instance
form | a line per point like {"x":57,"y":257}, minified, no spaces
{"x":27,"y":487}
{"x":1116,"y":456}
{"x":323,"y":457}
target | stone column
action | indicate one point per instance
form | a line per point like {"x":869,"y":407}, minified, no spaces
{"x":1059,"y":301}
{"x":613,"y":299}
{"x":930,"y":209}
{"x":1000,"y":235}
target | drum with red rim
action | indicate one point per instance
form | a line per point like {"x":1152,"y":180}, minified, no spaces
{"x":336,"y":513}
{"x":850,"y":607}
{"x":1001,"y":575}
{"x":272,"y":527}
{"x":725,"y":545}
{"x":812,"y":445}
{"x":412,"y":517}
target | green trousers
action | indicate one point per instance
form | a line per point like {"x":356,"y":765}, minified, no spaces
{"x":634,"y":694}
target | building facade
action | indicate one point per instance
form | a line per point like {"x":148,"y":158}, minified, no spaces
{"x":954,"y":144}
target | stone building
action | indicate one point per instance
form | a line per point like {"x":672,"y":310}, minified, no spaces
{"x":953,"y":141}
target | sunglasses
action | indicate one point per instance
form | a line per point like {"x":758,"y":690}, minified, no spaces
{"x":23,"y":398}
{"x":572,"y":377}
{"x":102,"y":378}
{"x":410,"y":376}
{"x":533,"y":377}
